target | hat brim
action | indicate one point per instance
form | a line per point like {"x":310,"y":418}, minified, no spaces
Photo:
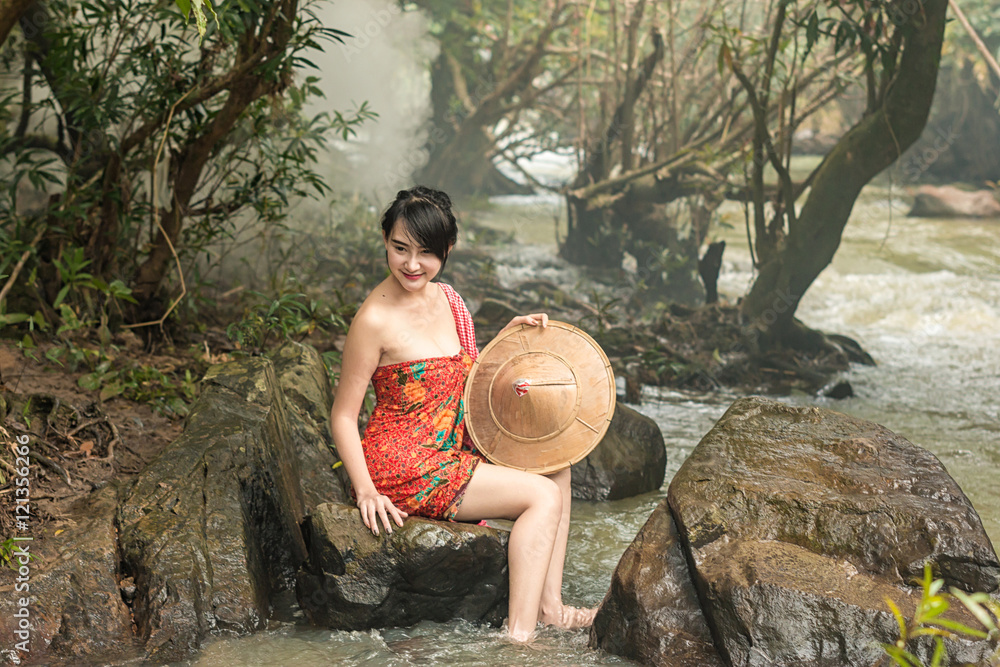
{"x":539,"y":399}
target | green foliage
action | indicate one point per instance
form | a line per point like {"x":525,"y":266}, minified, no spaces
{"x":129,"y":90}
{"x":930,"y":619}
{"x":289,"y":316}
{"x":7,"y":548}
{"x":165,"y":393}
{"x":198,"y":8}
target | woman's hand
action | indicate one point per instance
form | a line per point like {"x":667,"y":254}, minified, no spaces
{"x":375,"y":505}
{"x":533,"y":320}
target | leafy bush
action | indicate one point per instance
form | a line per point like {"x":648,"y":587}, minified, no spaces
{"x":930,"y":619}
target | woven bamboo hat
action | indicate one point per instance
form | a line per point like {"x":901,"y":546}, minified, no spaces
{"x":539,"y":399}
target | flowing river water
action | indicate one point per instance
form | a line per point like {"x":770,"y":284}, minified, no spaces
{"x":921,"y":296}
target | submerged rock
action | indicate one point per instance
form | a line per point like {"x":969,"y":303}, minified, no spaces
{"x":210,"y":529}
{"x":425,"y":570}
{"x":631,"y":459}
{"x":947,"y":201}
{"x":797,"y":523}
{"x":651,"y":612}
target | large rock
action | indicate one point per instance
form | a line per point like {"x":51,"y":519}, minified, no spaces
{"x":426,"y":570}
{"x":306,"y":386}
{"x":651,"y":612}
{"x":210,"y":529}
{"x":796,"y":524}
{"x":948,"y":201}
{"x":631,"y":459}
{"x":836,"y":485}
{"x":74,"y":606}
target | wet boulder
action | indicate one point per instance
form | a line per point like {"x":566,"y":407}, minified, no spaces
{"x":651,"y":612}
{"x":306,"y":386}
{"x":425,"y":570}
{"x":209,"y":531}
{"x":798,"y":522}
{"x":793,"y":525}
{"x":947,"y":201}
{"x":630,"y":460}
{"x":71,"y":587}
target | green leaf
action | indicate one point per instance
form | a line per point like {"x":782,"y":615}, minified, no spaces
{"x":901,"y":657}
{"x":61,"y":296}
{"x":939,"y":653}
{"x":90,"y":381}
{"x":898,"y":615}
{"x":959,"y":627}
{"x":198,"y":7}
{"x":812,"y":30}
{"x":111,"y":390}
{"x":974,"y":607}
{"x":14,"y":318}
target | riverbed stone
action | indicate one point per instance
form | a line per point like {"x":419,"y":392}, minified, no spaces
{"x":309,"y":397}
{"x":651,"y":612}
{"x":209,"y":531}
{"x":947,"y":201}
{"x":424,"y":570}
{"x":73,"y":607}
{"x":798,"y":522}
{"x":631,"y":459}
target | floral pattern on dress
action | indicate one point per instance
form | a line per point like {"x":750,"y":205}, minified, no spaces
{"x":415,"y":444}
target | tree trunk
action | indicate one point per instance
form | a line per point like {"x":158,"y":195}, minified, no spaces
{"x":462,"y":166}
{"x":868,"y":148}
{"x":11,"y":12}
{"x":594,"y":233}
{"x":459,"y":159}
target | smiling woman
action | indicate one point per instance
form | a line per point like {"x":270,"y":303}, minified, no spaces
{"x":414,"y":340}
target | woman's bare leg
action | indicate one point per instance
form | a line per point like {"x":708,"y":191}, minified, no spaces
{"x":534,"y":503}
{"x":552,"y":610}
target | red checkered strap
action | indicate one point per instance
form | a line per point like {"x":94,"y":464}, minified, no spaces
{"x":463,"y":320}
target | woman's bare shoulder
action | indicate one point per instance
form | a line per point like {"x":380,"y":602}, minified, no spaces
{"x":374,"y":313}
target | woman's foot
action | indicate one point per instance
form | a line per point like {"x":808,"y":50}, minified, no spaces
{"x":525,"y":638}
{"x":569,"y":618}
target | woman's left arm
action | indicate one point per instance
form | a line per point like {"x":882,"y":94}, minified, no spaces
{"x":534,"y":320}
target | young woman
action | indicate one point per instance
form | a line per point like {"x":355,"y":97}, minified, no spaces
{"x":413,"y":339}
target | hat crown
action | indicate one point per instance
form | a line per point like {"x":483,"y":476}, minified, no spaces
{"x":534,"y":395}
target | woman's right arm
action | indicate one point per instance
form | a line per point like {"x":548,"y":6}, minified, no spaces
{"x":360,"y":359}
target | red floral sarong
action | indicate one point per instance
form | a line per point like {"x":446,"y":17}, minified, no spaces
{"x":415,"y":444}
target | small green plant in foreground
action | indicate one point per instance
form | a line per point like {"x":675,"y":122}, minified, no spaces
{"x":7,"y":554}
{"x":928,"y":620}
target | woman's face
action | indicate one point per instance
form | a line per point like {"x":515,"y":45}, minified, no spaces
{"x":410,"y":264}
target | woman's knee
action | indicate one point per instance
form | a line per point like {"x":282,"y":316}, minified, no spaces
{"x":548,"y":496}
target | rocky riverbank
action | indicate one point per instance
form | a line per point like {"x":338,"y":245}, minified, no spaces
{"x":217,"y":534}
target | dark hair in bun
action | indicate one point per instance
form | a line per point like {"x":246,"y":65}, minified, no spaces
{"x":428,"y":218}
